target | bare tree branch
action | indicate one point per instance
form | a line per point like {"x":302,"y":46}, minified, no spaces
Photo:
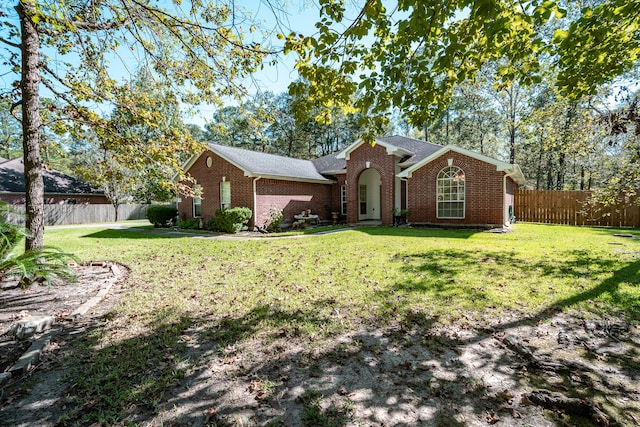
{"x":12,"y":110}
{"x":12,"y":44}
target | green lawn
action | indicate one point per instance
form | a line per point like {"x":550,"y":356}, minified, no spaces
{"x":371,"y":273}
{"x":313,"y":287}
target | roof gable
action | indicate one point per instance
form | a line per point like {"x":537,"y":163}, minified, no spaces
{"x":383,"y":142}
{"x":512,"y":170}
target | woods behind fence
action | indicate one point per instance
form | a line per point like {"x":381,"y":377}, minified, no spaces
{"x":573,"y":208}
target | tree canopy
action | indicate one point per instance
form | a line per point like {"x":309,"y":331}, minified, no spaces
{"x":197,"y":50}
{"x":411,"y":54}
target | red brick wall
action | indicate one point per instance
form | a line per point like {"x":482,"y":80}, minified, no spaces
{"x":484,"y":186}
{"x":209,"y":178}
{"x":292,"y":198}
{"x":57,"y":199}
{"x":385,"y":165}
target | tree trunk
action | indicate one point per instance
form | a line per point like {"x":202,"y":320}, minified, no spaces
{"x":30,"y":86}
{"x":512,"y":142}
{"x":560,"y":173}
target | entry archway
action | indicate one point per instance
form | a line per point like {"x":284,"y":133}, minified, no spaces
{"x":369,"y":189}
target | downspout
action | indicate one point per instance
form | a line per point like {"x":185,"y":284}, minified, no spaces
{"x":255,"y":202}
{"x":505,"y":209}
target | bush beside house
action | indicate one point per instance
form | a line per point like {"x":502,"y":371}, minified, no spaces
{"x":161,"y":216}
{"x":230,"y":220}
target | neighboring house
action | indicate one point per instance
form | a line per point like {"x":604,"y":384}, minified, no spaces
{"x":59,"y":188}
{"x":438,"y":185}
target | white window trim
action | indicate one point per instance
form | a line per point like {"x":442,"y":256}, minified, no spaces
{"x":464,"y":195}
{"x":224,"y":205}
{"x":343,"y":199}
{"x":197,"y":201}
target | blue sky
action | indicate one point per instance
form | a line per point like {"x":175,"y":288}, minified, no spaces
{"x":300,"y":17}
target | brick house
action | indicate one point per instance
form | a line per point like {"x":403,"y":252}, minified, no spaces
{"x":437,"y":185}
{"x":59,"y":188}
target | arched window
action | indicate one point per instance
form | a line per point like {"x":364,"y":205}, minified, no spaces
{"x":450,"y":193}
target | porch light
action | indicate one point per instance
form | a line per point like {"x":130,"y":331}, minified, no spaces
{"x":224,"y":178}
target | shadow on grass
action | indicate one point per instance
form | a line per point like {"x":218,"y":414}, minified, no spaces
{"x":262,"y":368}
{"x":135,"y":233}
{"x":438,"y":272}
{"x":445,"y":233}
{"x":620,"y":233}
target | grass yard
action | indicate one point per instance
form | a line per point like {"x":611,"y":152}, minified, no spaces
{"x":311,"y":289}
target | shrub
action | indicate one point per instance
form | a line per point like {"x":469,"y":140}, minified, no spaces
{"x":231,"y":220}
{"x":210,"y":224}
{"x":190,"y":223}
{"x":161,"y":215}
{"x":275,"y":218}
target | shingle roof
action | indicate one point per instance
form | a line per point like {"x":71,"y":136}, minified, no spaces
{"x":255,"y":163}
{"x":417,"y":150}
{"x":420,"y":149}
{"x":262,"y":164}
{"x":12,"y":180}
{"x":329,"y":164}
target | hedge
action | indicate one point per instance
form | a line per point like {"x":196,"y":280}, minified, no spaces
{"x":161,"y":215}
{"x":230,"y":220}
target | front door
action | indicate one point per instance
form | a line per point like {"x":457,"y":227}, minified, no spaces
{"x":369,"y":195}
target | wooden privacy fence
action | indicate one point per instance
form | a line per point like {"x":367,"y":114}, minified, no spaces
{"x":572,"y":208}
{"x":84,"y":214}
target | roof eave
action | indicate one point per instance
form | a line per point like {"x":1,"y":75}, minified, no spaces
{"x":333,"y":172}
{"x":391,"y":149}
{"x":516,"y":174}
{"x":291,"y":178}
{"x":499,"y":164}
{"x":406,"y":164}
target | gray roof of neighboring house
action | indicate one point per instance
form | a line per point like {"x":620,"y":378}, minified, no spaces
{"x":263,"y":164}
{"x":12,"y":180}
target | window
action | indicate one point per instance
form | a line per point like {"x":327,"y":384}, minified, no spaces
{"x":343,"y":200}
{"x":197,"y":201}
{"x":363,"y":199}
{"x":450,"y":193}
{"x":225,"y":194}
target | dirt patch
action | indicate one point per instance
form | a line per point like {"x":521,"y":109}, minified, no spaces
{"x":563,"y":370}
{"x":60,"y":301}
{"x":436,"y":376}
